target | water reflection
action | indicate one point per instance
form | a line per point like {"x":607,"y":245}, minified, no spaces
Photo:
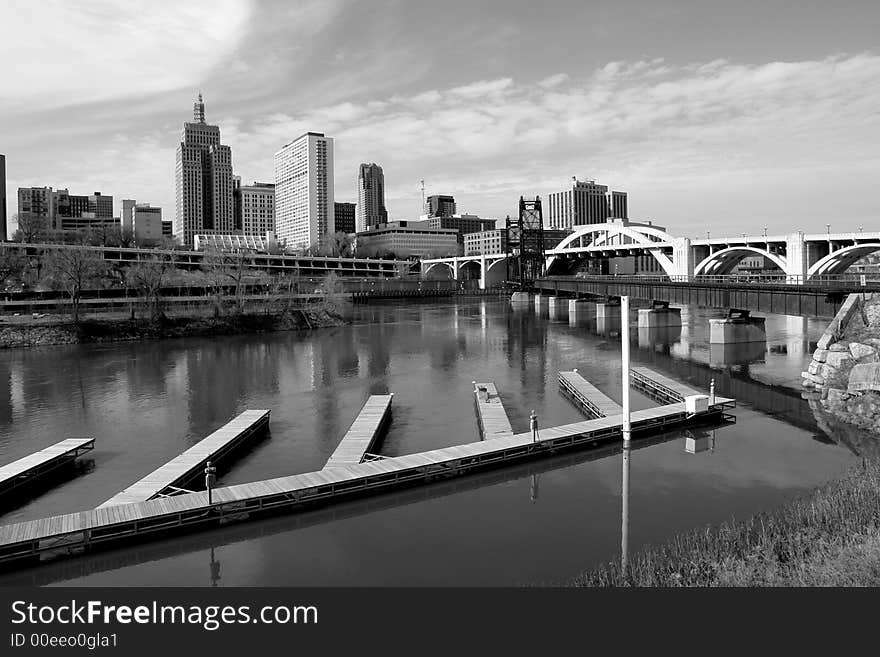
{"x":722,"y":356}
{"x":624,"y":509}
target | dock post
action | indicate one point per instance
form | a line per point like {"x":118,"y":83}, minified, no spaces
{"x":210,"y":478}
{"x":624,"y":349}
{"x":712,"y":392}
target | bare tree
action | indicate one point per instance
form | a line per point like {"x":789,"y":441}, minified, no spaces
{"x":31,"y":228}
{"x":149,"y":276}
{"x":74,"y":269}
{"x":228,"y":268}
{"x":13,"y":265}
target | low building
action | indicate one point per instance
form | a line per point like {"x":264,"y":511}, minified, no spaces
{"x":235,"y":242}
{"x":407,"y":239}
{"x":463,"y":223}
{"x":493,"y":242}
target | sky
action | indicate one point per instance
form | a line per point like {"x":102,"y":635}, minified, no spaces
{"x":722,"y":116}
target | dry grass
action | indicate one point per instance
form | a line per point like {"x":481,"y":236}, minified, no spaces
{"x":831,"y":538}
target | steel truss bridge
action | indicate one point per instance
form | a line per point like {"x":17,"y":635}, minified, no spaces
{"x":799,"y":257}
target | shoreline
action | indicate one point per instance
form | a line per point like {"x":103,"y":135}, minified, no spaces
{"x":93,"y":330}
{"x":830,"y":537}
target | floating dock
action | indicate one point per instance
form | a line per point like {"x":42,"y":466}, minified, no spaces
{"x":660,"y":387}
{"x":491,"y":415}
{"x":75,"y":532}
{"x":365,"y":430}
{"x":30,"y":468}
{"x":171,"y":477}
{"x":587,"y":397}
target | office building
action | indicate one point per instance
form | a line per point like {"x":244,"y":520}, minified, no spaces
{"x":440,"y":206}
{"x":463,"y":223}
{"x":407,"y":239}
{"x":62,"y":210}
{"x":257,"y":208}
{"x":345,"y":214}
{"x":203,"y":179}
{"x":304,"y":195}
{"x":585,"y":203}
{"x":236,"y":203}
{"x":371,"y":197}
{"x":3,"y":216}
{"x":167,"y":228}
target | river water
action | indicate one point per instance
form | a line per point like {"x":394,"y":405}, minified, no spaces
{"x":535,"y":524}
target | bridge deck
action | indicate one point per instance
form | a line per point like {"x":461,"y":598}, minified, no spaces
{"x":364,"y":431}
{"x":76,"y":531}
{"x":167,"y":479}
{"x":491,"y":415}
{"x":38,"y":464}
{"x":661,"y":387}
{"x":586,"y":396}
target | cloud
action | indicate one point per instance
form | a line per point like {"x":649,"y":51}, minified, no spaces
{"x":80,"y":51}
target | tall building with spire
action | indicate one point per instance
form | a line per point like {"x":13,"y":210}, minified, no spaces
{"x":203,"y":180}
{"x":371,"y":197}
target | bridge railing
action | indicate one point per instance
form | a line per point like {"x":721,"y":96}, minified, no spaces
{"x":828,"y":280}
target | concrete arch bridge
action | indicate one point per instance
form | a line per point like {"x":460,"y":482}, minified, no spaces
{"x":799,"y":257}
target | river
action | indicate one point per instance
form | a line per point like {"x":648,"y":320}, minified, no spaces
{"x":536,"y":524}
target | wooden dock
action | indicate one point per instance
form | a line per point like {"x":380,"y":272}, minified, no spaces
{"x":75,"y":532}
{"x":365,"y":430}
{"x":491,"y":416}
{"x":661,"y":387}
{"x":586,"y":396}
{"x":170,"y":478}
{"x":33,"y":466}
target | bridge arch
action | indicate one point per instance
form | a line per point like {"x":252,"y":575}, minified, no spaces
{"x":839,"y":261}
{"x":723,"y":261}
{"x":616,"y":237}
{"x":449,"y":266}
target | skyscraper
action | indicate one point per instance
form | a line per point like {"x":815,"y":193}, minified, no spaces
{"x":203,"y":179}
{"x":257,"y":209}
{"x":371,"y":197}
{"x":440,"y":206}
{"x":3,"y":235}
{"x":304,"y":196}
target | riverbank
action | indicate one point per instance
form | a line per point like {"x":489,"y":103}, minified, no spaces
{"x":828,"y":538}
{"x":95,"y":329}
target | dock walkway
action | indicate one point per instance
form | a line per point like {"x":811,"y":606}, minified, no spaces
{"x":71,"y":533}
{"x":661,"y":387}
{"x":491,"y":415}
{"x":29,"y":468}
{"x":168,"y":479}
{"x":586,"y":396}
{"x":364,"y":432}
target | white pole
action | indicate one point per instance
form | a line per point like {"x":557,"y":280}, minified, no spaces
{"x":624,"y":348}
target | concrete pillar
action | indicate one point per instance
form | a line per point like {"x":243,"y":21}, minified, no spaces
{"x":659,"y":317}
{"x":557,"y":307}
{"x":541,"y":300}
{"x":737,"y":353}
{"x":796,"y":260}
{"x":520,"y":299}
{"x":456,"y":272}
{"x":737,"y":330}
{"x":658,"y":336}
{"x":607,"y":310}
{"x":483,"y":266}
{"x":682,"y":259}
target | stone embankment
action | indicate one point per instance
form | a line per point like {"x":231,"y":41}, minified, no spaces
{"x":843,"y":379}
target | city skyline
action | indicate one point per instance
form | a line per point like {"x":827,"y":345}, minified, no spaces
{"x":685,"y":122}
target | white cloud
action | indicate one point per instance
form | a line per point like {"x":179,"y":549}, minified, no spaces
{"x":78,"y":51}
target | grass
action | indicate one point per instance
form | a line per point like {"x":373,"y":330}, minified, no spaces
{"x":829,"y":538}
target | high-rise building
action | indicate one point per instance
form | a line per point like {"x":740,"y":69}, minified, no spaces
{"x":236,"y":203}
{"x":147,"y":224}
{"x":344,"y":214}
{"x":257,"y":208}
{"x":618,"y":205}
{"x":440,"y":206}
{"x":37,"y":202}
{"x":586,"y":202}
{"x":203,"y":179}
{"x":304,"y":196}
{"x":371,"y":197}
{"x":3,"y":224}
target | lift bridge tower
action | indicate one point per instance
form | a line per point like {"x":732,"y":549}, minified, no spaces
{"x":525,"y":244}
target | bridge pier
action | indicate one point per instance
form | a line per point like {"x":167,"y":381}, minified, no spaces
{"x":738,"y":327}
{"x":541,"y":301}
{"x":659,"y":315}
{"x":739,"y":353}
{"x":520,"y":299}
{"x":653,"y":336}
{"x":557,"y":307}
{"x":608,"y":310}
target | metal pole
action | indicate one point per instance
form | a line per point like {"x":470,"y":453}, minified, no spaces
{"x":624,"y":513}
{"x":624,"y":348}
